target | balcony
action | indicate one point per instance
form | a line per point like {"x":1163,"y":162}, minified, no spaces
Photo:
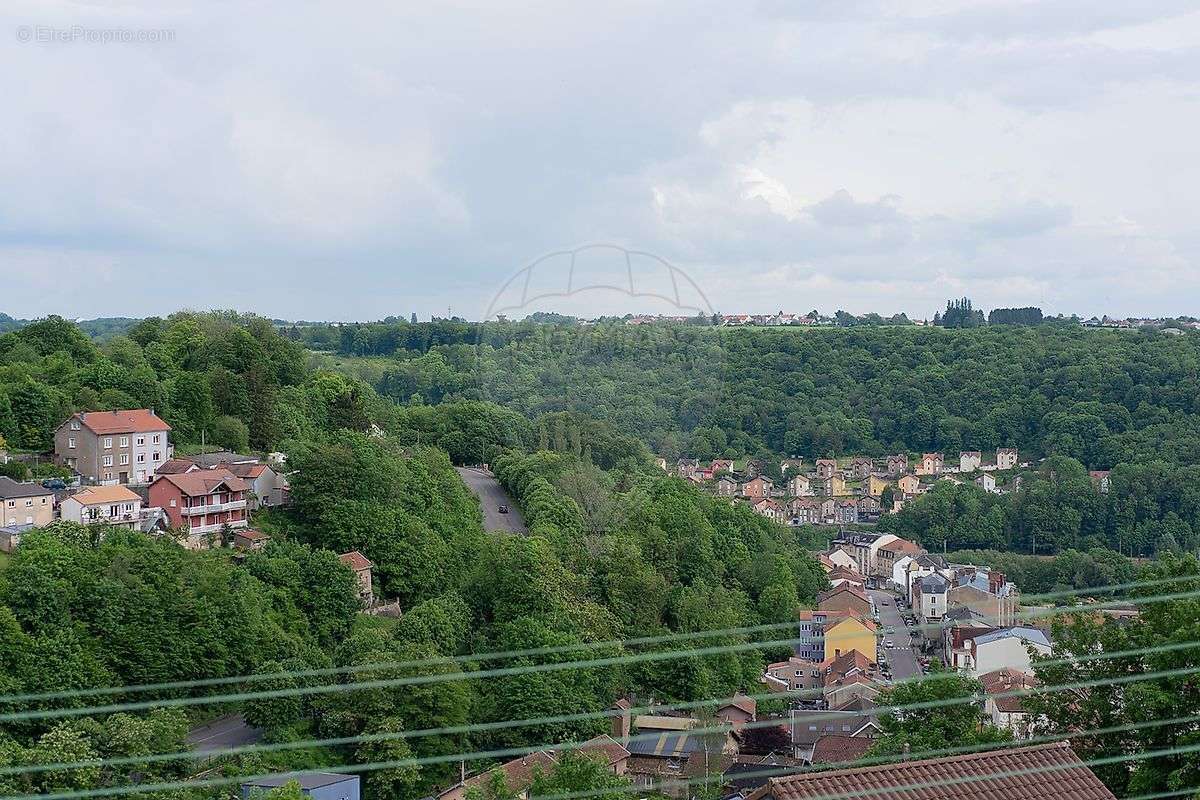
{"x":202,"y":529}
{"x":213,"y":508}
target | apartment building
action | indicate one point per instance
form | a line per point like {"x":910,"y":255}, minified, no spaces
{"x":112,"y":447}
{"x":110,"y":505}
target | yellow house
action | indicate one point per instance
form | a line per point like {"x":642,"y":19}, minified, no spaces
{"x":876,"y":484}
{"x":837,"y":485}
{"x":846,"y":631}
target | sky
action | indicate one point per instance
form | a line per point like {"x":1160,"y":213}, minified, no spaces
{"x":359,"y":160}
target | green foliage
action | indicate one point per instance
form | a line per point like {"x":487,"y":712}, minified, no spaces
{"x":953,"y":716}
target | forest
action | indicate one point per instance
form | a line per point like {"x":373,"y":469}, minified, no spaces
{"x":1101,"y":397}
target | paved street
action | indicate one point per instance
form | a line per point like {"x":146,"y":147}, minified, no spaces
{"x":491,"y":496}
{"x":901,"y":658}
{"x":222,"y":733}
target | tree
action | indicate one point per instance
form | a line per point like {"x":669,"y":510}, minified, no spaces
{"x":231,"y":433}
{"x":956,"y":719}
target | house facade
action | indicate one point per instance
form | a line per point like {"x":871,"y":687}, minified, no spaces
{"x":108,"y":447}
{"x":24,"y":503}
{"x":1006,"y":458}
{"x":205,"y":502}
{"x":110,"y":505}
{"x":969,"y":460}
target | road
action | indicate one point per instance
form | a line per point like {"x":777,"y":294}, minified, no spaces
{"x":901,"y":658}
{"x":491,"y":496}
{"x":223,"y":733}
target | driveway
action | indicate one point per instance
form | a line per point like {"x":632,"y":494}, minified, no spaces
{"x":901,"y":658}
{"x":223,"y":733}
{"x":491,"y":496}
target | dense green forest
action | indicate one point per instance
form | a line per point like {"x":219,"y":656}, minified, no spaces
{"x":1102,"y":397}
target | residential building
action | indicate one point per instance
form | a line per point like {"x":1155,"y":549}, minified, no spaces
{"x":794,"y":464}
{"x":361,"y":566}
{"x":837,"y":748}
{"x":266,"y":487}
{"x":756,"y":488}
{"x":1100,"y":477}
{"x":969,"y":460}
{"x":845,"y":512}
{"x":518,"y":776}
{"x":846,"y":597}
{"x":1003,"y":701}
{"x":846,"y":631}
{"x":839,"y":575}
{"x":868,"y":507}
{"x":909,"y":485}
{"x":727,"y":487}
{"x":861,"y":467}
{"x":987,"y":482}
{"x":809,"y":726}
{"x":826,"y":467}
{"x":771,"y":510}
{"x":737,"y":710}
{"x":205,"y":502}
{"x":110,"y":505}
{"x":931,"y":464}
{"x":25,"y":503}
{"x":929,"y":597}
{"x":175,"y":466}
{"x":835,"y":486}
{"x":842,"y":558}
{"x":316,"y":785}
{"x":919,"y":567}
{"x":800,"y":486}
{"x":1040,"y":772}
{"x":109,"y":447}
{"x":897,"y":465}
{"x":793,"y":675}
{"x":888,"y":554}
{"x":805,"y":512}
{"x":1002,"y":647}
{"x":721,"y":465}
{"x":875,"y":484}
{"x":864,"y":547}
{"x":686,"y":467}
{"x":1006,"y":458}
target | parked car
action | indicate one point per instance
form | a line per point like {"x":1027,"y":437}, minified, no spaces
{"x":54,"y":484}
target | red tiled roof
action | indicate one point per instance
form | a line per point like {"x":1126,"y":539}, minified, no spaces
{"x":834,"y":748}
{"x":518,"y":773}
{"x":1041,"y":772}
{"x":252,"y":535}
{"x":137,"y":420}
{"x":201,"y":482}
{"x":606,"y":746}
{"x":175,"y":466}
{"x":1004,"y":680}
{"x":245,"y":470}
{"x":355,"y":560}
{"x":743,"y":702}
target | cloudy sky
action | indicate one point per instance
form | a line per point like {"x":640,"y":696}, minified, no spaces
{"x":366,"y":159}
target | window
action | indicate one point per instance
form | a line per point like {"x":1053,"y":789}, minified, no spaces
{"x":154,"y":456}
{"x":172,"y":504}
{"x":12,"y":503}
{"x":114,"y":511}
{"x":107,"y":442}
{"x":107,"y":460}
{"x":71,"y":442}
{"x":74,"y":424}
{"x":29,"y":503}
{"x":124,"y":459}
{"x":107,"y":476}
{"x":141,"y":458}
{"x":141,"y":440}
{"x":124,"y":441}
{"x":154,"y":438}
{"x":129,"y":506}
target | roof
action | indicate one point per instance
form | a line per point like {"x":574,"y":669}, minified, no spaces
{"x":173,"y":466}
{"x":750,"y":772}
{"x":668,"y":744}
{"x":657,"y":723}
{"x":308,"y":780}
{"x":204,"y":481}
{"x":1021,"y":773}
{"x":11,"y":488}
{"x":355,"y":560}
{"x":742,"y":702}
{"x":518,"y":773}
{"x":1033,"y":635}
{"x":221,"y":457}
{"x":245,"y":470}
{"x":853,"y":588}
{"x":252,"y":535}
{"x":934,"y":584}
{"x":1004,"y":680}
{"x":104,"y":494}
{"x":837,"y":748}
{"x":137,"y":420}
{"x":612,"y":750}
{"x":809,"y":726}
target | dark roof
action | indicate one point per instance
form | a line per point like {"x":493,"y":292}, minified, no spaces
{"x":668,"y":744}
{"x":809,"y":726}
{"x":208,"y":460}
{"x":11,"y":488}
{"x":750,"y":772}
{"x":934,"y":584}
{"x":308,"y":780}
{"x":836,"y":748}
{"x":1041,"y":772}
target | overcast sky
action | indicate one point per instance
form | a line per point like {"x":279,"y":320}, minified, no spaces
{"x":371,"y":159}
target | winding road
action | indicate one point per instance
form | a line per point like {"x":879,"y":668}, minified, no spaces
{"x":491,"y":496}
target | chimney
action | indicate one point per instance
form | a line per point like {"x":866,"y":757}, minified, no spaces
{"x":907,"y":749}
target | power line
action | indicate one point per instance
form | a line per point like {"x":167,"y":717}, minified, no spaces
{"x":499,"y":672}
{"x":523,"y":751}
{"x":506,"y":654}
{"x":608,"y":713}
